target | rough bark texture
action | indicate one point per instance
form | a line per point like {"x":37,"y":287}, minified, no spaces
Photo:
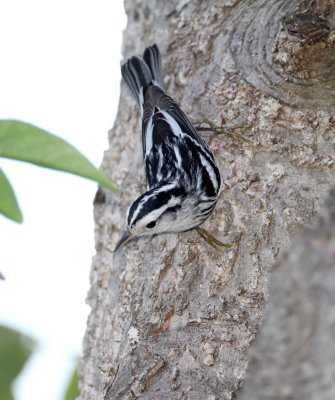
{"x":173,"y":318}
{"x":294,"y":354}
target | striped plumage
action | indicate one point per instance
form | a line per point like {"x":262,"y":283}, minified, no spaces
{"x":183,"y":179}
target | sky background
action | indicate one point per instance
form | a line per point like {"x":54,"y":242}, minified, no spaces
{"x":60,"y":70}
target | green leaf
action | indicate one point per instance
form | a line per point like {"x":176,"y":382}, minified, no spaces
{"x":72,"y":391}
{"x":25,"y":142}
{"x":15,"y":350}
{"x":8,"y":203}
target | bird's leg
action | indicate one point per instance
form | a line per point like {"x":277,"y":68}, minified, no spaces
{"x":230,"y":132}
{"x":211,"y":240}
{"x":210,"y":128}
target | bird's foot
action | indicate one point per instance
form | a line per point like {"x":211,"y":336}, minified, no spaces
{"x":213,"y":241}
{"x":230,"y":132}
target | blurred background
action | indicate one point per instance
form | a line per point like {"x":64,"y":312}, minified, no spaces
{"x":59,"y":70}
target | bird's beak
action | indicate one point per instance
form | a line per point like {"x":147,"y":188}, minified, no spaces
{"x":125,"y":237}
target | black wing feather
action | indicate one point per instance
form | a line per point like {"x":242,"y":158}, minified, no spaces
{"x":155,"y":101}
{"x":138,"y":77}
{"x":152,"y":58}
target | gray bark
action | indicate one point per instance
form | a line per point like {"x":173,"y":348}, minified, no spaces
{"x":294,"y":354}
{"x":172,"y":317}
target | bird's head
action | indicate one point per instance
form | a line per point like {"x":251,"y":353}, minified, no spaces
{"x":155,"y":211}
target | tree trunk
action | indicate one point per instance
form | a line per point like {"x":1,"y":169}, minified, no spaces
{"x":294,"y":354}
{"x":171,"y":316}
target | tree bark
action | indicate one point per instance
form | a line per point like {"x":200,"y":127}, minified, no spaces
{"x":294,"y":354}
{"x":172,"y":317}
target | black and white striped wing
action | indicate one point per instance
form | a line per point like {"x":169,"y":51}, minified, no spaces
{"x":161,"y":117}
{"x":172,"y":147}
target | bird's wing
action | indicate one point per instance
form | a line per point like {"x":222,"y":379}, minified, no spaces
{"x":163,"y":117}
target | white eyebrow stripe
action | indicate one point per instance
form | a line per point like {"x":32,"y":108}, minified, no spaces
{"x":138,"y":209}
{"x":165,"y":188}
{"x":155,"y":214}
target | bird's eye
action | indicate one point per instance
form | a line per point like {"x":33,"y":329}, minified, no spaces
{"x":151,"y":224}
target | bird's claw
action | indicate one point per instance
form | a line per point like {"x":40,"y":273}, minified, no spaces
{"x":213,"y":241}
{"x":230,"y":132}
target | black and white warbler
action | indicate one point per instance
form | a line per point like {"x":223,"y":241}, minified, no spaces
{"x":183,"y":180}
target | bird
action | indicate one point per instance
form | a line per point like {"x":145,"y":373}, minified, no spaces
{"x":183,"y":180}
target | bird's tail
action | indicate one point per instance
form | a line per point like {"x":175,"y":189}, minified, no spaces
{"x":140,"y":73}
